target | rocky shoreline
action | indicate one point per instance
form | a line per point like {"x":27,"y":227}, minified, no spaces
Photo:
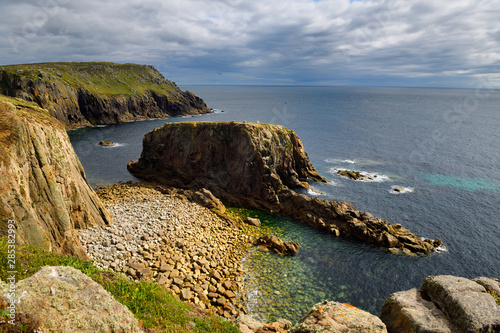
{"x":186,"y":248}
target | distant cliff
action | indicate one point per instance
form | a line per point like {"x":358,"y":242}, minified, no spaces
{"x":259,"y":165}
{"x":42,"y":183}
{"x":85,"y":94}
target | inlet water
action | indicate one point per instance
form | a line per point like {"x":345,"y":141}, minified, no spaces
{"x":439,"y":148}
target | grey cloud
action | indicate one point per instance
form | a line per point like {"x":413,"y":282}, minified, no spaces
{"x":259,"y":41}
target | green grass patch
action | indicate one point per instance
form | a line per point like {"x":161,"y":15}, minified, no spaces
{"x":103,"y":78}
{"x":158,"y":310}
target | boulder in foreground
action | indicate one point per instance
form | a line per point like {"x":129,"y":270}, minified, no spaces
{"x":338,"y":317}
{"x":444,"y":304}
{"x":66,"y":300}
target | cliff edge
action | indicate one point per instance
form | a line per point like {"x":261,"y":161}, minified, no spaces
{"x":42,"y":183}
{"x":93,"y":93}
{"x":258,"y":165}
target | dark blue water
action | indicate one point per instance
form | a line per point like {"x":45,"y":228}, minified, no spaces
{"x":441,"y":145}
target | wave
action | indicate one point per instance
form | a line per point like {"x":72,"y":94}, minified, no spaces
{"x":313,"y":193}
{"x":365,"y":175}
{"x":396,"y":189}
{"x":336,"y":160}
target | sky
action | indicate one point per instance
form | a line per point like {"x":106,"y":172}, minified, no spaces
{"x":423,"y":43}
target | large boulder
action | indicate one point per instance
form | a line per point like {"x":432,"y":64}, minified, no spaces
{"x":338,"y":317}
{"x":43,"y":188}
{"x":66,"y":300}
{"x":444,"y":303}
{"x":259,"y":165}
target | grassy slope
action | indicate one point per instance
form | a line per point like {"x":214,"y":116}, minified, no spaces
{"x":104,"y":78}
{"x":157,"y":309}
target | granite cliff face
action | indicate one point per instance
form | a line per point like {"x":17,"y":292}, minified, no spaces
{"x":258,"y":165}
{"x":42,"y":183}
{"x":86,"y":94}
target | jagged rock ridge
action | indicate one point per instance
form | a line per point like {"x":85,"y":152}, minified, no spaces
{"x":86,"y":94}
{"x":258,"y":165}
{"x":42,"y":183}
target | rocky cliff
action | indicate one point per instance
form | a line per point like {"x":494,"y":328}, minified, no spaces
{"x":258,"y":165}
{"x":85,"y":94}
{"x":42,"y":183}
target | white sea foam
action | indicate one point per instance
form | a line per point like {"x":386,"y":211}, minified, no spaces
{"x":313,"y":193}
{"x":337,"y":161}
{"x":441,"y":248}
{"x":114,"y":145}
{"x":396,"y":189}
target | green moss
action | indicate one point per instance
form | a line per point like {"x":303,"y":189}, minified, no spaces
{"x":157,"y":309}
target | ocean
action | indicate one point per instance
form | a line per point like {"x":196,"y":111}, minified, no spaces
{"x":433,"y":154}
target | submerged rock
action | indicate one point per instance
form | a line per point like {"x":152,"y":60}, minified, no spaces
{"x":338,"y":317}
{"x":277,"y":245}
{"x":444,"y":304}
{"x":259,"y":165}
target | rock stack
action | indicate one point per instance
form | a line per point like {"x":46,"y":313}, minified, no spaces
{"x":258,"y":166}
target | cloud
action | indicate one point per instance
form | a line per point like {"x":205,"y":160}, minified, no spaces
{"x":271,"y":42}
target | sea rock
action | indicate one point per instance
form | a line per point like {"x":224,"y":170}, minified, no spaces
{"x":259,"y":165}
{"x":252,"y":221}
{"x":43,"y":186}
{"x":354,"y":175}
{"x":277,"y":245}
{"x":338,"y":317}
{"x":76,"y":102}
{"x":106,"y":143}
{"x":444,"y":303}
{"x":66,"y":300}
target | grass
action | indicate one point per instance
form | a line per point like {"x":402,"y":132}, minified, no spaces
{"x":156,"y":309}
{"x":103,"y":78}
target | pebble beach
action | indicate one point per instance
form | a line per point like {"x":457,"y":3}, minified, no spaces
{"x":184,"y":247}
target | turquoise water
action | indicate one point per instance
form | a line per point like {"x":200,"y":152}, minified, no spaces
{"x":441,"y":145}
